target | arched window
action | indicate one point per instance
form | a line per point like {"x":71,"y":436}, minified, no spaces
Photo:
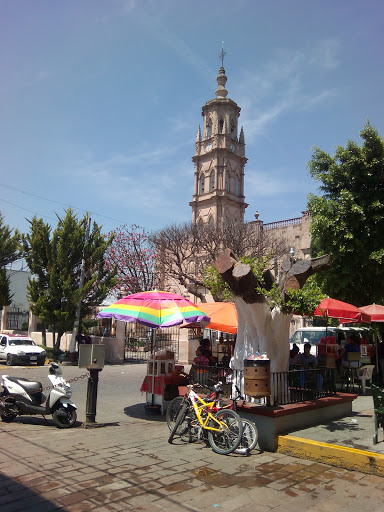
{"x":200,"y":223}
{"x":211,"y":222}
{"x":233,"y":129}
{"x":212,"y":181}
{"x":201,"y":187}
{"x":221,"y":124}
{"x":209,"y":129}
{"x":237,"y":186}
{"x":227,"y":186}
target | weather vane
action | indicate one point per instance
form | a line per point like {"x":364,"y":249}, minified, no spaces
{"x":222,"y":54}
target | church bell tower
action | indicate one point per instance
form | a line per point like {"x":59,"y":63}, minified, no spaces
{"x":219,"y":160}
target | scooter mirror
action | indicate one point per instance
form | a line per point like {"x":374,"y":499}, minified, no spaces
{"x":55,"y":369}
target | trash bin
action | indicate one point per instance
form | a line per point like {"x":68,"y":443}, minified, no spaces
{"x":257,"y":377}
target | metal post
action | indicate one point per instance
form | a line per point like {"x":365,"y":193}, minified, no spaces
{"x":93,"y":381}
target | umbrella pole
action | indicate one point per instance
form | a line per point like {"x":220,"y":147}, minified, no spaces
{"x":153,"y":365}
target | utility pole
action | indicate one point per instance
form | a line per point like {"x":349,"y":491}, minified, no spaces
{"x":72,"y":345}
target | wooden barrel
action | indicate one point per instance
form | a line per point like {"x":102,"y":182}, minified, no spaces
{"x":257,"y":377}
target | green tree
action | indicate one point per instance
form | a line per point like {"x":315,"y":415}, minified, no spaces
{"x":9,"y":252}
{"x":348,"y":219}
{"x":54,"y":259}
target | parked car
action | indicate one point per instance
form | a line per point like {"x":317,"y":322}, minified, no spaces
{"x":19,"y":349}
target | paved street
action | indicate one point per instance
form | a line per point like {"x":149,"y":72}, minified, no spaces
{"x":127,"y":464}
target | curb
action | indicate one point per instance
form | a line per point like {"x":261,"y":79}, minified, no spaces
{"x":340,"y":456}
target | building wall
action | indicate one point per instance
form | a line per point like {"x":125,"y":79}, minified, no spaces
{"x":18,"y":286}
{"x":295,"y":232}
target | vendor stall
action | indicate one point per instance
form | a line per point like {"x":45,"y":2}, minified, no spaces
{"x":162,"y":379}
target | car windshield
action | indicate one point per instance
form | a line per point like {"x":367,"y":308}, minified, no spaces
{"x":308,"y":336}
{"x":21,"y":342}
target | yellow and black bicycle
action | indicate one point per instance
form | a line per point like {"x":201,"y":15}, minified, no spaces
{"x":224,"y":427}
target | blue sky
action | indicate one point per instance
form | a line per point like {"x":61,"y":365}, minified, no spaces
{"x":100,"y":100}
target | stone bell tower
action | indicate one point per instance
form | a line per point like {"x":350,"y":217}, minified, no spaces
{"x":219,"y":160}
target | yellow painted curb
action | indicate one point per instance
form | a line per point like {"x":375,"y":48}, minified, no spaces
{"x":340,"y":456}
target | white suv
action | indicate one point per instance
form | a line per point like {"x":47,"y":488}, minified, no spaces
{"x":15,"y":348}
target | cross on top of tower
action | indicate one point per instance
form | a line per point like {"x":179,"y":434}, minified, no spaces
{"x":222,"y":55}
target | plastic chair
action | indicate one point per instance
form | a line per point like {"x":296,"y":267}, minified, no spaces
{"x":351,"y":365}
{"x":365,"y":374}
{"x":378,"y":404}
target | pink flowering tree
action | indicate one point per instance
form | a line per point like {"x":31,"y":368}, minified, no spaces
{"x":133,"y":255}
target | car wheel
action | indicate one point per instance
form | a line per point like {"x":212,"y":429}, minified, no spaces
{"x":10,"y":360}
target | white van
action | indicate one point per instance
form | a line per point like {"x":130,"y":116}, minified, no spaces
{"x":313,"y":335}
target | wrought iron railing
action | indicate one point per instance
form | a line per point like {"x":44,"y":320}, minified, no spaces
{"x":209,"y":375}
{"x":290,"y":387}
{"x":138,"y":342}
{"x":302,"y":385}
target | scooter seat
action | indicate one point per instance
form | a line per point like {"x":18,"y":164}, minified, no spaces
{"x":28,"y":385}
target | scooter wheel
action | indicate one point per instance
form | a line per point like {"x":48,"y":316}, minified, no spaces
{"x":7,"y":417}
{"x":64,"y":417}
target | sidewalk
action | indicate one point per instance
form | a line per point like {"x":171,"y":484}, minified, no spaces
{"x":354,"y":431}
{"x":347,"y":442}
{"x":125,"y":463}
{"x":130,"y":466}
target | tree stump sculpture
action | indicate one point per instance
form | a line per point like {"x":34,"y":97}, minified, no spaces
{"x":261,"y":327}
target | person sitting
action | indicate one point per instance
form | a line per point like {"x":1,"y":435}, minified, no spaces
{"x":206,"y":348}
{"x":351,"y":346}
{"x":200,"y":358}
{"x":199,"y":362}
{"x":307,"y":360}
{"x":294,"y":357}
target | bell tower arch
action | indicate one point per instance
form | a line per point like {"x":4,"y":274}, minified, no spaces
{"x":219,"y":160}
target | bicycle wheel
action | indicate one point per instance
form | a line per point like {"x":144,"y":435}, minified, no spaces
{"x":250,"y":437}
{"x":179,"y":419}
{"x":229,"y":437}
{"x":172,"y":410}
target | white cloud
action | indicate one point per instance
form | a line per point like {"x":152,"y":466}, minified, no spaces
{"x":284,"y":85}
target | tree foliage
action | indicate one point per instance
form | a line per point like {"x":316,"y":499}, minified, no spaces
{"x":55,"y":260}
{"x":348,"y":219}
{"x":133,"y":256}
{"x":9,"y":252}
{"x":185,"y":253}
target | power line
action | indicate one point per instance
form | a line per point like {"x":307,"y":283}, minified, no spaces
{"x":26,"y":209}
{"x":54,"y":201}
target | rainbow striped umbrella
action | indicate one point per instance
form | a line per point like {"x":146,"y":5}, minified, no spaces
{"x":155,"y":309}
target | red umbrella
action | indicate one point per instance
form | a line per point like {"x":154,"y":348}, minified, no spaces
{"x":332,"y":308}
{"x":375,"y":311}
{"x":377,"y":315}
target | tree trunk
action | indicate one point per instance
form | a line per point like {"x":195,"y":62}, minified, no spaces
{"x":44,"y":335}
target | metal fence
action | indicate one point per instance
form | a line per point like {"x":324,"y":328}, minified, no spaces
{"x":210,"y":375}
{"x":286,"y":387}
{"x":17,"y":320}
{"x":302,"y":385}
{"x":138,"y":342}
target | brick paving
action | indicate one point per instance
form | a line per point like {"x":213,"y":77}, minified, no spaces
{"x":131,"y":466}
